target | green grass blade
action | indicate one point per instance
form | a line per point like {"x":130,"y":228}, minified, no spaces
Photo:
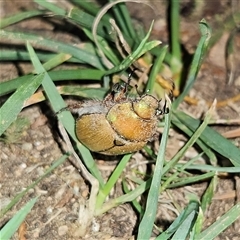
{"x":212,"y":139}
{"x":175,"y":42}
{"x":128,"y":197}
{"x":11,"y":227}
{"x":221,"y":224}
{"x":108,"y":52}
{"x":134,"y":203}
{"x":186,"y":227}
{"x":197,"y":60}
{"x":119,"y":17}
{"x":87,"y":6}
{"x":141,"y":49}
{"x":175,"y":30}
{"x":13,"y":106}
{"x":198,"y":225}
{"x":85,"y":20}
{"x":52,"y":95}
{"x":50,"y":6}
{"x":208,"y":195}
{"x":5,"y":22}
{"x":124,"y":13}
{"x":80,"y":17}
{"x":190,"y":142}
{"x":207,"y":150}
{"x":146,"y":225}
{"x":189,"y":213}
{"x":174,"y":177}
{"x":155,"y":69}
{"x":58,"y":75}
{"x":215,"y":169}
{"x":189,"y":180}
{"x":21,"y":55}
{"x":93,"y":10}
{"x":52,"y":45}
{"x":104,"y":192}
{"x":76,"y":74}
{"x":56,"y":61}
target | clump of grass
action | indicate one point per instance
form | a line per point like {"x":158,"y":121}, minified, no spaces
{"x":14,"y":132}
{"x":100,"y":58}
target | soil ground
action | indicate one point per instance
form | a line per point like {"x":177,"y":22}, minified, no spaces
{"x":33,"y":150}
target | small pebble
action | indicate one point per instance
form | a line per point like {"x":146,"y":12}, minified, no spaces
{"x":40,"y":147}
{"x":95,"y":226}
{"x":85,"y":193}
{"x":49,"y":210}
{"x":62,"y":230}
{"x":76,"y":190}
{"x":27,"y":146}
{"x":4,"y":156}
{"x":37,"y":143}
{"x":18,"y":172}
{"x":23,"y":165}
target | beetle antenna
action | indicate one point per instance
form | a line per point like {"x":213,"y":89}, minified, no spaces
{"x":62,"y":109}
{"x":130,"y":75}
{"x":136,"y":87}
{"x":165,"y":108}
{"x":130,"y":78}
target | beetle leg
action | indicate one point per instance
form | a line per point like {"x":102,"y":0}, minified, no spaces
{"x":165,"y":108}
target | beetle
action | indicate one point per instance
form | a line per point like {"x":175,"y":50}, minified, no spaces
{"x":119,"y":124}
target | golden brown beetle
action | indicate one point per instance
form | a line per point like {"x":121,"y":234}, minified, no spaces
{"x":118,"y":124}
